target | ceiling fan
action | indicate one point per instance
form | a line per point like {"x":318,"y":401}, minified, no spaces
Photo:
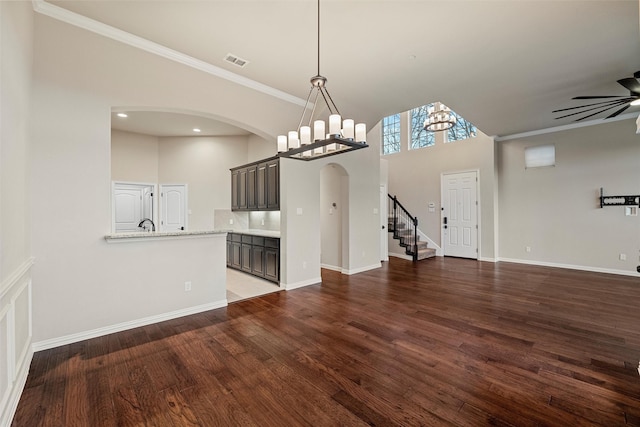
{"x":613,"y":101}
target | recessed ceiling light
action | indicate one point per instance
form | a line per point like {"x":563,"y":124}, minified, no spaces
{"x":123,"y":115}
{"x":196,"y":130}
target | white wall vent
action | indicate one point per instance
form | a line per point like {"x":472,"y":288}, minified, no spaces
{"x":235,"y":60}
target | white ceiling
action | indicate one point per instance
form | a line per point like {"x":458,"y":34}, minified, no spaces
{"x":503,"y":65}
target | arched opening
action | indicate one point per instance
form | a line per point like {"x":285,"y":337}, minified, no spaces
{"x":334,"y":217}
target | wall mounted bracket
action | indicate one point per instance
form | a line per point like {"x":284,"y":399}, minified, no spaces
{"x":618,"y":200}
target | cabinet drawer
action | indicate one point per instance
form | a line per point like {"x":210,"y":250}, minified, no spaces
{"x":246,"y":239}
{"x":258,"y":240}
{"x":235,"y":237}
{"x":271,"y":242}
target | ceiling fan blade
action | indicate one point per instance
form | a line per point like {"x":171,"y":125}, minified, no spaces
{"x":598,"y":112}
{"x":603,"y":103}
{"x":632,"y":84}
{"x":618,"y":111}
{"x":598,"y":97}
{"x":600,"y":109}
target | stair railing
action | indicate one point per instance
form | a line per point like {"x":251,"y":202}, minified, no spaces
{"x":402,"y":215}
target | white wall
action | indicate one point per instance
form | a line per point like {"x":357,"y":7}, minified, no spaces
{"x":134,"y":157}
{"x":81,"y":283}
{"x":415,"y":177}
{"x":16,"y":38}
{"x":555,"y":211}
{"x":203,"y":164}
{"x":333,"y":183}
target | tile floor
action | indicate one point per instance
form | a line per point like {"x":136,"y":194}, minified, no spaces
{"x":242,"y":286}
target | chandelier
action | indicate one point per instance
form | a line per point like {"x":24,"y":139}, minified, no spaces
{"x":341,"y":136}
{"x":439,"y":118}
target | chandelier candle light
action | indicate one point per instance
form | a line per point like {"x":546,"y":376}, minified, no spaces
{"x":343,"y":135}
{"x":439,"y":118}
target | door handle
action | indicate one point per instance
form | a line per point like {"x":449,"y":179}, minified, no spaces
{"x":383,"y":227}
{"x":445,"y":222}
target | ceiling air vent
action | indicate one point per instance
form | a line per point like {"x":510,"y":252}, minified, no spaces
{"x":235,"y":60}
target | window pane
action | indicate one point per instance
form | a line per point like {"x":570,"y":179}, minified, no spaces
{"x":540,"y":156}
{"x":391,"y":134}
{"x":461,"y":130}
{"x":419,"y":137}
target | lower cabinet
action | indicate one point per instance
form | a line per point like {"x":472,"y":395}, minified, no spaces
{"x":256,"y":255}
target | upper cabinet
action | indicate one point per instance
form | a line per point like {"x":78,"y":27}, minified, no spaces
{"x":256,"y":186}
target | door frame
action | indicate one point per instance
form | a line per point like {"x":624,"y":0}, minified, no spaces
{"x":478,"y":211}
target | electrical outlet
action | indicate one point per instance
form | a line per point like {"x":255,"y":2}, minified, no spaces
{"x":623,"y":257}
{"x":528,"y":248}
{"x":231,"y":221}
{"x":187,"y":286}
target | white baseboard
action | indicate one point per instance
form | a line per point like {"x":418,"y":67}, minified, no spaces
{"x":331,"y":267}
{"x":571,"y":267}
{"x":362,"y":269}
{"x":291,"y":286}
{"x":81,"y":336}
{"x":487,"y":259}
{"x":6,"y":417}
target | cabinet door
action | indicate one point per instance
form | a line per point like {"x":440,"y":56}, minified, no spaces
{"x":246,"y":257}
{"x":252,"y":202}
{"x":273,"y":185}
{"x":242,"y":189}
{"x":272,"y":264}
{"x":236,"y":255}
{"x":261,"y":186}
{"x":257,"y":260}
{"x":234,"y":190}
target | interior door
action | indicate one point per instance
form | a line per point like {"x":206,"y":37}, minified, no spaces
{"x":173,"y":200}
{"x":460,"y":214}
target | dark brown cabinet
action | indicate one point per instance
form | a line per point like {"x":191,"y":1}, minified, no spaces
{"x":256,"y":186}
{"x":256,"y":255}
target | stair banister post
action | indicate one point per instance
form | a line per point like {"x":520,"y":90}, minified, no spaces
{"x":415,"y":238}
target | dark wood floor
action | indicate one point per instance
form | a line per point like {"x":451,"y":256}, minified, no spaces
{"x":442,"y":342}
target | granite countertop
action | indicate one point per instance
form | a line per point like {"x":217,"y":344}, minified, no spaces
{"x":257,"y":232}
{"x":157,"y":235}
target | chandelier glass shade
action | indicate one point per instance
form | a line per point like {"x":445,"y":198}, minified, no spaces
{"x":313,"y":139}
{"x":439,"y":118}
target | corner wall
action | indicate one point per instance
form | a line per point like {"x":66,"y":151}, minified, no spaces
{"x":16,"y":50}
{"x":555,"y":210}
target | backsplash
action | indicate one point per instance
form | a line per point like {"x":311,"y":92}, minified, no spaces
{"x":222,"y":220}
{"x":263,"y":220}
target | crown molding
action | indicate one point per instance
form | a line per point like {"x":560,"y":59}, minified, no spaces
{"x":80,"y":21}
{"x":565,"y":127}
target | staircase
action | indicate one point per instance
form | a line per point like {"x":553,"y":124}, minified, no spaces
{"x":404,"y":227}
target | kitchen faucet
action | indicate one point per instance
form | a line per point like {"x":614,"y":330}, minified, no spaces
{"x":144,"y":227}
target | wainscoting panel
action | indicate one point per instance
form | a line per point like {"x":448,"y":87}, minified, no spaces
{"x":15,"y":339}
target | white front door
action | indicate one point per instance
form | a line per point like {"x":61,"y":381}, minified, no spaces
{"x":460,"y":214}
{"x":173,"y":200}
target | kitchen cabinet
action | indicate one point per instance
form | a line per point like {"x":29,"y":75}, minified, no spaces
{"x":256,"y":186}
{"x":256,"y":255}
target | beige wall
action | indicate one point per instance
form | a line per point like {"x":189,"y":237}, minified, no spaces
{"x":555,"y":210}
{"x":134,"y":157}
{"x":82,"y":283}
{"x":16,"y":38}
{"x":415,"y":178}
{"x":203,"y":164}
